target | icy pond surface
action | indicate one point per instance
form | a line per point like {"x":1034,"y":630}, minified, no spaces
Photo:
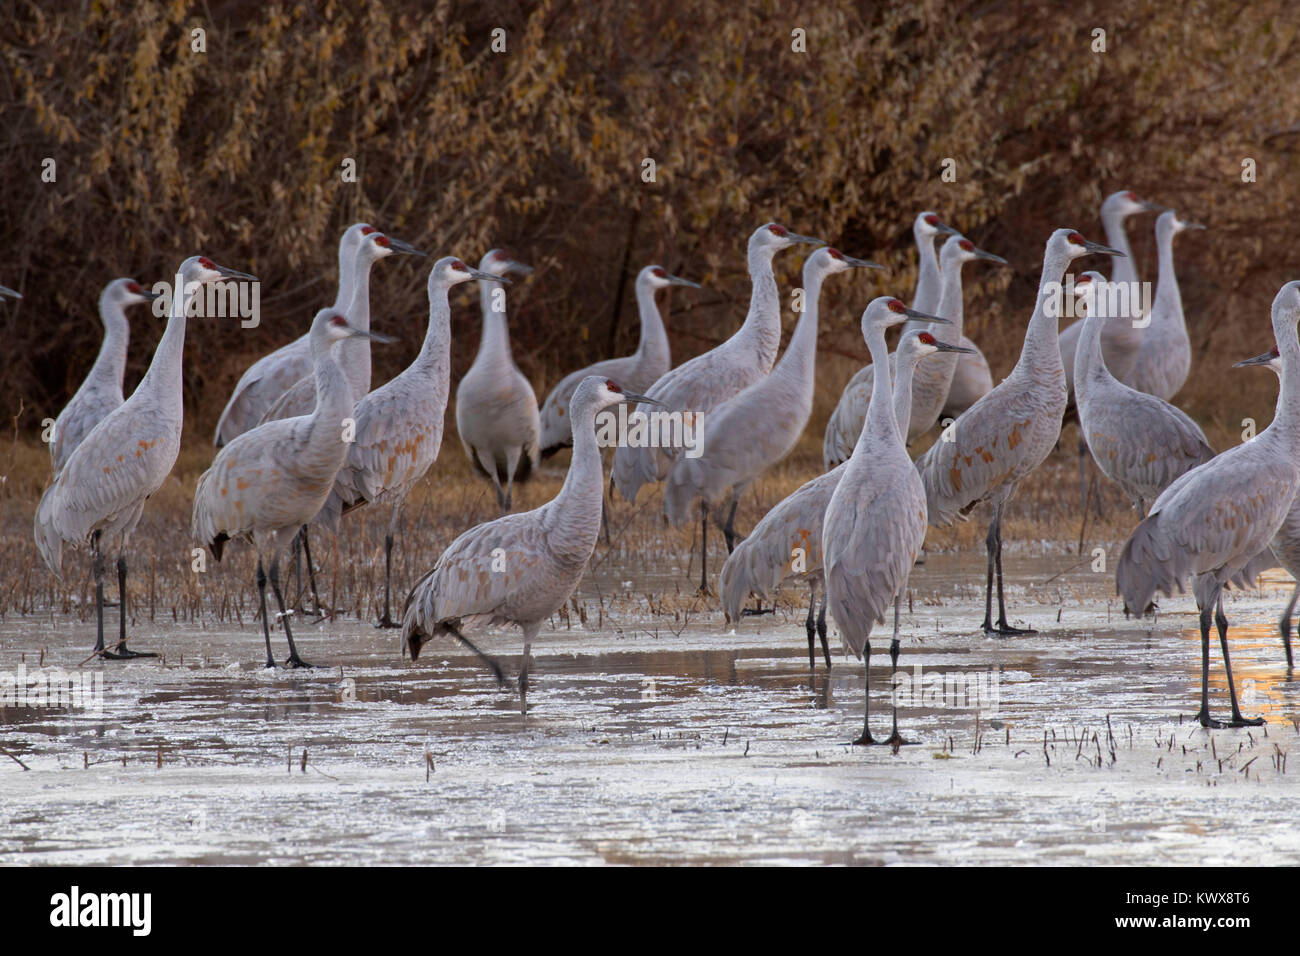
{"x":659,"y":740}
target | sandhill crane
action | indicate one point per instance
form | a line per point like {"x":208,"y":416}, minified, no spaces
{"x":272,"y":375}
{"x":1286,"y":543}
{"x":1165,"y":356}
{"x":706,"y":381}
{"x":520,"y":568}
{"x":354,"y":352}
{"x":933,"y":380}
{"x":1007,"y":433}
{"x":268,"y":482}
{"x":1215,"y":520}
{"x":637,"y":371}
{"x":101,"y":392}
{"x":100,"y":492}
{"x":1139,"y":441}
{"x":758,"y":426}
{"x":398,"y":426}
{"x":1120,"y":339}
{"x":496,"y":410}
{"x":875,"y":521}
{"x":787,"y":542}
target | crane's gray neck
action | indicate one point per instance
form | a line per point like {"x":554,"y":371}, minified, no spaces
{"x":1286,"y":421}
{"x":950,"y":297}
{"x":354,"y":353}
{"x":1089,"y":359}
{"x":347,"y":261}
{"x":163,"y":379}
{"x":1122,"y":269}
{"x":905,"y":370}
{"x":880,"y":424}
{"x":654,"y":338}
{"x":928,"y":277}
{"x":800,"y":358}
{"x":1041,"y":353}
{"x":575,"y":511}
{"x":762,"y":328}
{"x":334,"y":399}
{"x":495,"y":343}
{"x":110,"y":365}
{"x":435,"y":354}
{"x":1168,"y":297}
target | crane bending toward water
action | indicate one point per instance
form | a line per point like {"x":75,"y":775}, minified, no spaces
{"x":1139,"y":441}
{"x":1165,"y":356}
{"x":496,"y":410}
{"x":398,"y":426}
{"x":1120,"y":339}
{"x":99,"y":494}
{"x":270,"y":481}
{"x":932,"y":382}
{"x":1214,"y":522}
{"x":1007,"y":433}
{"x":520,"y":568}
{"x":272,"y":375}
{"x":1286,"y":543}
{"x":787,"y":542}
{"x":700,"y":385}
{"x":758,"y":426}
{"x":637,"y":371}
{"x":101,"y":392}
{"x":875,"y":521}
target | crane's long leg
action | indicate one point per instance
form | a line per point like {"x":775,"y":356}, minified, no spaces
{"x":97,"y":566}
{"x":990,"y":545}
{"x":294,"y":660}
{"x":297,"y":569}
{"x":530,"y":632}
{"x":811,"y":625}
{"x":1003,"y":629}
{"x":1204,"y":714}
{"x":821,"y":629}
{"x":729,"y":529}
{"x":1285,"y":625}
{"x":1221,"y":622}
{"x":512,"y":463}
{"x":119,"y":651}
{"x":866,"y":739}
{"x":266,"y":627}
{"x":895,"y":738}
{"x":387,"y":620}
{"x":704,"y":550}
{"x":490,"y":662}
{"x":311,"y":573}
{"x":1083,"y":474}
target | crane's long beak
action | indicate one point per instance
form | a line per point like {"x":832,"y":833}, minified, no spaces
{"x":232,"y":274}
{"x":913,"y":314}
{"x":678,"y":280}
{"x":365,"y":333}
{"x":864,"y":264}
{"x":945,"y":347}
{"x":488,"y":277}
{"x":1105,"y":250}
{"x":981,"y":254}
{"x":399,"y":245}
{"x":809,"y":240}
{"x":150,"y":295}
{"x":6,"y":291}
{"x":1151,"y":206}
{"x":945,"y":230}
{"x":642,"y":399}
{"x":1264,"y":359}
{"x":1189,"y":225}
{"x":519,"y":268}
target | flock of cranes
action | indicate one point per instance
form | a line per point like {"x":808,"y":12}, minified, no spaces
{"x":305,"y":440}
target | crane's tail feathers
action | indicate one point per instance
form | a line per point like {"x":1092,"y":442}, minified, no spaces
{"x":1147,"y":565}
{"x":48,"y":540}
{"x":217,"y":545}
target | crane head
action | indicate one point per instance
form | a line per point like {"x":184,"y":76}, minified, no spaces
{"x":1271,"y":358}
{"x":884,"y":311}
{"x":125,"y":292}
{"x":334,"y":327}
{"x":657,"y":277}
{"x":960,"y":249}
{"x":1126,"y":203}
{"x":928,"y":225}
{"x":830,"y":260}
{"x":920,"y":343}
{"x":202,"y":270}
{"x":450,"y":271}
{"x":1074,"y":245}
{"x":499,"y":262}
{"x":773,"y":236}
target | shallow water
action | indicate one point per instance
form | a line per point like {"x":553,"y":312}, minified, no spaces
{"x":659,"y":739}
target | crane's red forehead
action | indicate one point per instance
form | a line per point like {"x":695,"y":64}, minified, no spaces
{"x":932,"y":219}
{"x":926,"y":338}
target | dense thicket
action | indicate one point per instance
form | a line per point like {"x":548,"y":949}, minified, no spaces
{"x":236,"y":152}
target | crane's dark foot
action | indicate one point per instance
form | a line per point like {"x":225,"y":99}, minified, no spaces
{"x":896,"y":740}
{"x":1203,"y":717}
{"x":270,"y":664}
{"x":295,"y":661}
{"x":387,"y":621}
{"x":1240,"y":721}
{"x":121,"y":653}
{"x":706,"y":591}
{"x":756,"y":611}
{"x":1006,"y":630}
{"x":866,"y":740}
